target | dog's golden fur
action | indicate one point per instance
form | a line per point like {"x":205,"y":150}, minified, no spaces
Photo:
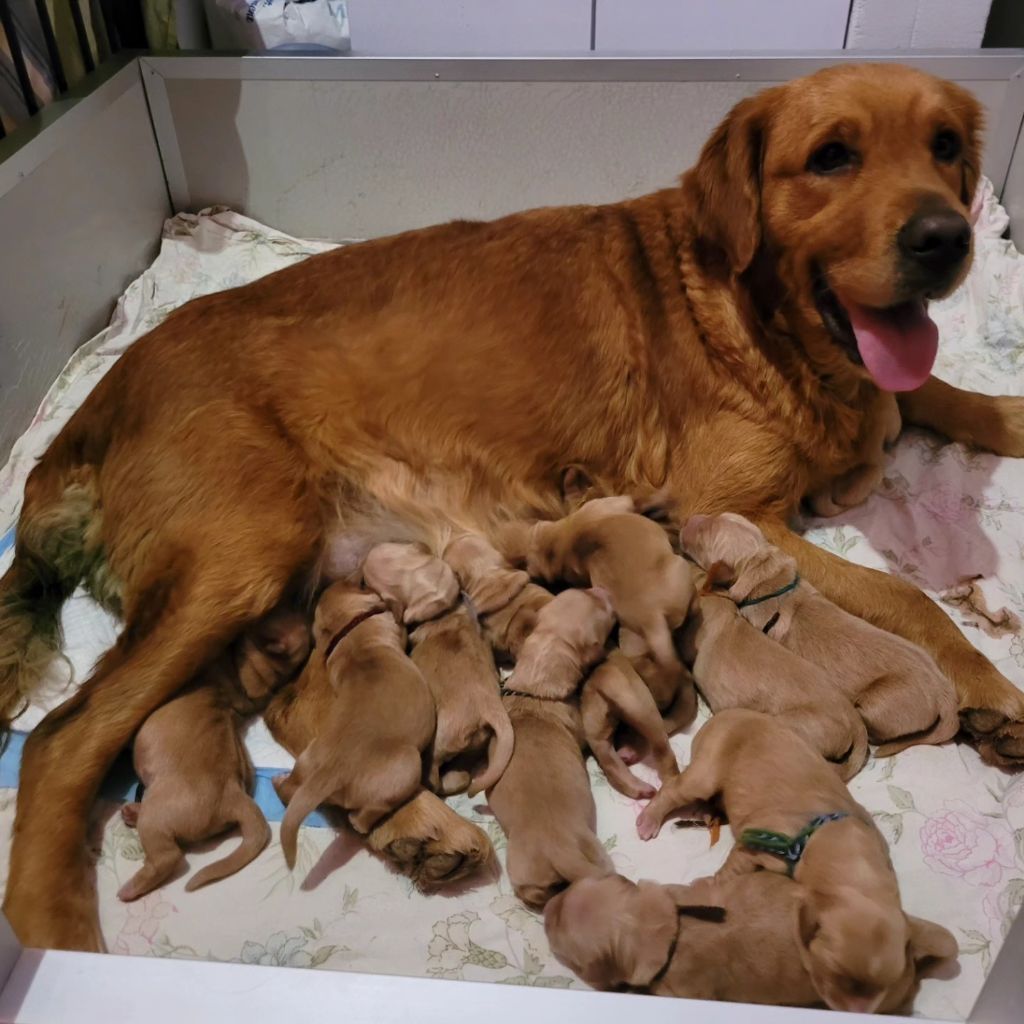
{"x":450,"y":374}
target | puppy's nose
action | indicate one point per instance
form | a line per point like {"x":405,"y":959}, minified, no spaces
{"x":936,"y":241}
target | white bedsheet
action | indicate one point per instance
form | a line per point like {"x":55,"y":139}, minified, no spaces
{"x":956,"y":827}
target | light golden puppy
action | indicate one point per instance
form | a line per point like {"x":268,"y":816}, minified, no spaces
{"x":568,"y":637}
{"x":544,"y":804}
{"x":626,"y":554}
{"x":895,"y":685}
{"x":407,"y":576}
{"x":790,"y":813}
{"x":486,"y":578}
{"x":367,"y":756}
{"x":193,"y":765}
{"x":735,"y":940}
{"x":737,"y":666}
{"x":458,"y":666}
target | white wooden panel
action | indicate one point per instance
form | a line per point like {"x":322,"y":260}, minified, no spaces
{"x":88,"y":988}
{"x":386,"y":27}
{"x":81,"y":221}
{"x":917,"y":24}
{"x":681,"y":26}
{"x":371,"y":158}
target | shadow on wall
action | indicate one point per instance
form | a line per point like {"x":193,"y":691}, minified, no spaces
{"x":1005,"y":26}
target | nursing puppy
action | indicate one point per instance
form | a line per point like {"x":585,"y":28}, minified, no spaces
{"x":367,"y":756}
{"x":544,"y":803}
{"x":408,"y":577}
{"x":790,"y":813}
{"x":667,"y":940}
{"x":484,"y":575}
{"x":629,"y":556}
{"x":459,"y":670}
{"x":193,"y":765}
{"x":896,"y":686}
{"x":737,"y":666}
{"x":568,"y":637}
{"x":614,"y":695}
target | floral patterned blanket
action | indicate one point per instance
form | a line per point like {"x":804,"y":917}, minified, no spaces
{"x":950,"y":520}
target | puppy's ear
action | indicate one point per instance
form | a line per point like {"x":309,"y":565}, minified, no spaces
{"x":497,"y":590}
{"x":648,"y":932}
{"x":963,"y":103}
{"x":930,"y":942}
{"x":724,"y":188}
{"x":807,"y":927}
{"x":719,"y":574}
{"x":769,"y":565}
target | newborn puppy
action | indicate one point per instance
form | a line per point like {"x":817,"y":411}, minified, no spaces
{"x":367,"y":756}
{"x":487,"y":579}
{"x":666,"y":940}
{"x":405,"y":575}
{"x":737,"y":666}
{"x":568,"y":637}
{"x":192,"y":763}
{"x":629,"y":556}
{"x":544,"y":804}
{"x":508,"y":628}
{"x":790,"y":813}
{"x":614,"y":694}
{"x":459,"y":670}
{"x":896,"y":686}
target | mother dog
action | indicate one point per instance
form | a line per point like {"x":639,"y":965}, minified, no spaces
{"x":738,"y":340}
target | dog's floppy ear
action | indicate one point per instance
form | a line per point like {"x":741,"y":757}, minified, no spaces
{"x":930,"y":942}
{"x":725,"y":186}
{"x":964,"y":104}
{"x":719,"y":574}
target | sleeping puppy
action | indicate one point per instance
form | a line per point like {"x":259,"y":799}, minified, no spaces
{"x":737,"y":666}
{"x":544,"y":803}
{"x":629,"y":556}
{"x":615,"y":695}
{"x":790,"y":813}
{"x":898,"y":689}
{"x":367,"y":756}
{"x":407,"y":576}
{"x":190,"y":758}
{"x":487,"y":579}
{"x":458,"y":666}
{"x":667,"y":940}
{"x":568,"y":637}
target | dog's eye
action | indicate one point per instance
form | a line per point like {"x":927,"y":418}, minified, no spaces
{"x":946,"y":146}
{"x":832,"y":157}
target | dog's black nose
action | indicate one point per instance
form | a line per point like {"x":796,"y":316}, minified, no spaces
{"x":936,"y":241}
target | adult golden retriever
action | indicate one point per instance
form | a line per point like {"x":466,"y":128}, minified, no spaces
{"x":736,"y":339}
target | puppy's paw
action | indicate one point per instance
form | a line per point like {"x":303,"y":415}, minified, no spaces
{"x":647,"y":825}
{"x":130,"y":814}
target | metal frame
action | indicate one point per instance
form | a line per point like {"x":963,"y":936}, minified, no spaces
{"x":51,"y":985}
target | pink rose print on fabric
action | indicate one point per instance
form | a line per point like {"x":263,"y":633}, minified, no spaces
{"x":945,"y":502}
{"x":964,"y":844}
{"x":141,"y":925}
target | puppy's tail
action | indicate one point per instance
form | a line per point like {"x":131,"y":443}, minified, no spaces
{"x":255,"y":836}
{"x":57,"y":548}
{"x":306,"y":799}
{"x":499,"y":753}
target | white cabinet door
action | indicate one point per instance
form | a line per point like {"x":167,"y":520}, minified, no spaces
{"x":681,"y":26}
{"x":430,"y":27}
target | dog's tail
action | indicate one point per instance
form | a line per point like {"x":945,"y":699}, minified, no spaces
{"x":255,"y":836}
{"x":499,"y":753}
{"x":57,"y":547}
{"x":306,"y":799}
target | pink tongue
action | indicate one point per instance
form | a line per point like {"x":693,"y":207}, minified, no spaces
{"x":898,"y":345}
